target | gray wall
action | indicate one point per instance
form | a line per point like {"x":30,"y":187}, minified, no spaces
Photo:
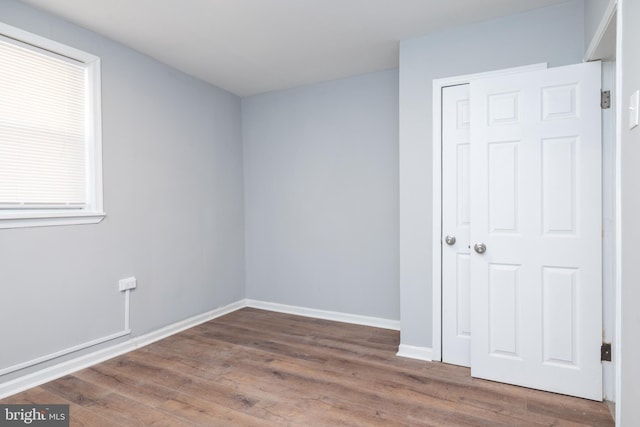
{"x":173,"y":194}
{"x":629,"y":62}
{"x":321,"y":195}
{"x":502,"y":43}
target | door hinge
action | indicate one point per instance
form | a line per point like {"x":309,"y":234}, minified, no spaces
{"x":605,"y":99}
{"x":605,"y":352}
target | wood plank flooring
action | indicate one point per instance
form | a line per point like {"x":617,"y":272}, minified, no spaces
{"x":259,"y":368}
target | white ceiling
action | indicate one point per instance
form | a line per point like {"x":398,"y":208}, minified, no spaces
{"x":253,"y":46}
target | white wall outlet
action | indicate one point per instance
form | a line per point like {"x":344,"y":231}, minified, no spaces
{"x":128,"y":283}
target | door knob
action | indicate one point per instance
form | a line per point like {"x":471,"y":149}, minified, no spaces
{"x":480,"y":248}
{"x":450,"y":240}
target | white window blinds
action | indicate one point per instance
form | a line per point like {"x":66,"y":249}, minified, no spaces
{"x":43,"y":148}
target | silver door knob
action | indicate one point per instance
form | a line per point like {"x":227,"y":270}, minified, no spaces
{"x":450,"y":240}
{"x":480,"y":248}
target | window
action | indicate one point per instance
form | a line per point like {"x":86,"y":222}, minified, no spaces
{"x":50,"y":133}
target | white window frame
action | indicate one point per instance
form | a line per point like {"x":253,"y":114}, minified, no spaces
{"x":93,"y":212}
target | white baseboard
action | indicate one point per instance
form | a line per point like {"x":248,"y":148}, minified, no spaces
{"x":355,"y":319}
{"x":65,"y":368}
{"x":70,"y":366}
{"x":413,"y":352}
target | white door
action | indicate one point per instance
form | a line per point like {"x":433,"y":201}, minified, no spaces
{"x":456,"y":218}
{"x":536,"y":315}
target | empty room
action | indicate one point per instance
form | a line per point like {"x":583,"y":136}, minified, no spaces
{"x":321,"y":213}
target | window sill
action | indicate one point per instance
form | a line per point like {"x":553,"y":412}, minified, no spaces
{"x":44,"y":219}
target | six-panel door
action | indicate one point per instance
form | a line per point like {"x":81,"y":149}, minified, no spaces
{"x":535,"y":190}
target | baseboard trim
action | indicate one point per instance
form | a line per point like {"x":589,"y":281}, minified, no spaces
{"x":61,"y":369}
{"x":65,"y":368}
{"x":335,"y":316}
{"x":414,"y":352}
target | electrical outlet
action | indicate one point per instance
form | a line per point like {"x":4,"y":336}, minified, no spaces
{"x":127,"y":284}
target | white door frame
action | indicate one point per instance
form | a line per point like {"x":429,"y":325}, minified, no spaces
{"x":438,"y":84}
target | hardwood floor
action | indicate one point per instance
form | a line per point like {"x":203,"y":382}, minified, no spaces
{"x":254,"y":367}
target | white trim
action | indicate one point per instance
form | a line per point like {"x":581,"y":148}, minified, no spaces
{"x":413,"y":352}
{"x":355,"y":319}
{"x":65,"y":368}
{"x":609,"y":226}
{"x":94,"y":150}
{"x":40,"y":219}
{"x":619,"y":106}
{"x":45,"y":43}
{"x":92,"y":213}
{"x":606,"y":20}
{"x":438,"y":84}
